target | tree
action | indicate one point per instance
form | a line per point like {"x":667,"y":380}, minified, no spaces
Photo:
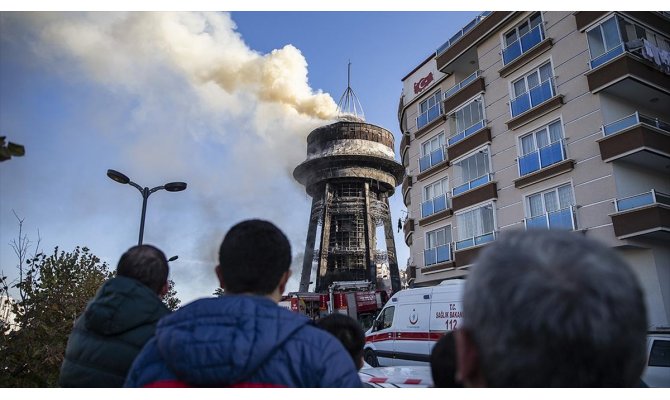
{"x":10,"y":149}
{"x":170,"y":299}
{"x":54,"y":292}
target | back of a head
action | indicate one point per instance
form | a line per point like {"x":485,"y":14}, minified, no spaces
{"x":443,"y":362}
{"x":555,"y":309}
{"x":253,"y":256}
{"x":348,"y":331}
{"x":146,"y":264}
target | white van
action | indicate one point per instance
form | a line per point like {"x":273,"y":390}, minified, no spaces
{"x":410,"y":323}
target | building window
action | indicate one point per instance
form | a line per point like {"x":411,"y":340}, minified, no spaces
{"x":435,"y":198}
{"x":615,"y":35}
{"x":432,"y":152}
{"x":471,"y":172}
{"x":541,"y":148}
{"x":532,"y":89}
{"x":438,"y":246}
{"x":551,"y":209}
{"x":467,"y":120}
{"x":475,"y":227}
{"x":523,"y":37}
{"x":429,"y":110}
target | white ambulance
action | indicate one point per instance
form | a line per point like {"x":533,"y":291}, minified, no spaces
{"x":410,"y":323}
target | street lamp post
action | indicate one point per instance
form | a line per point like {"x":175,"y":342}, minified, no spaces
{"x":145,"y":191}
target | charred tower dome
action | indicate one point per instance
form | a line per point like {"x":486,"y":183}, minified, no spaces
{"x":350,"y":172}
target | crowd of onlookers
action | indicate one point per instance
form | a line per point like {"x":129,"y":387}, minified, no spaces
{"x":541,"y":309}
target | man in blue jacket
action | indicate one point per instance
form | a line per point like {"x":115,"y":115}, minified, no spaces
{"x":117,"y":322}
{"x":243,"y":338}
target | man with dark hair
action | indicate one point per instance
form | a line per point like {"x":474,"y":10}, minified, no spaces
{"x":117,"y":322}
{"x":348,"y":331}
{"x":243,"y":338}
{"x":551,"y":309}
{"x":443,"y":362}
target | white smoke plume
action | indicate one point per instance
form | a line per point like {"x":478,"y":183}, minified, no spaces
{"x":191,"y":101}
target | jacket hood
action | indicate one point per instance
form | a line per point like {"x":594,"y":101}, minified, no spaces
{"x":122,"y":304}
{"x":222,"y":341}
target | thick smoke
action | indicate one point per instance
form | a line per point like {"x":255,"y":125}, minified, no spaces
{"x":191,"y":101}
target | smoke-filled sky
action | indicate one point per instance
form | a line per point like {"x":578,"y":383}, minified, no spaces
{"x":222,"y":101}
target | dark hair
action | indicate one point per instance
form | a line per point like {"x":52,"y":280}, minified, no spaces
{"x":443,"y":362}
{"x":348,"y":331}
{"x":253,"y":256}
{"x":146,"y":264}
{"x":555,"y":309}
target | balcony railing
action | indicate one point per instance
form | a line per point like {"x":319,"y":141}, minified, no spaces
{"x":641,"y":200}
{"x":435,"y":205}
{"x":429,"y":115}
{"x":542,"y":158}
{"x":437,"y":255}
{"x":460,"y":85}
{"x":471,"y":185}
{"x":462,"y":32}
{"x":560,"y":219}
{"x":538,"y":94}
{"x":520,"y":46}
{"x":432,"y":159}
{"x":475,"y":241}
{"x":609,"y":55}
{"x":476,"y":127}
{"x":634,"y":119}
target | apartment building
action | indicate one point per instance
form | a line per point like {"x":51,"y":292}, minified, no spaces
{"x":541,"y":120}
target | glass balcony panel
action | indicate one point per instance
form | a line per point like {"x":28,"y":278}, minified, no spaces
{"x":480,"y":181}
{"x":429,"y":257}
{"x":433,"y":113}
{"x":551,"y":154}
{"x":436,"y":156}
{"x":520,"y":104}
{"x":484,"y":238}
{"x":603,"y":58}
{"x":440,"y":203}
{"x":532,"y":38}
{"x":618,"y":126}
{"x":422,"y":120}
{"x":424,"y":162}
{"x":541,"y":93}
{"x":444,"y":253}
{"x":427,"y":208}
{"x":635,"y":201}
{"x":474,"y":128}
{"x":456,"y":138}
{"x":537,"y":222}
{"x":511,"y":52}
{"x":529,"y":163}
{"x":662,"y":198}
{"x":561,"y":219}
{"x":462,"y":188}
{"x":464,"y":244}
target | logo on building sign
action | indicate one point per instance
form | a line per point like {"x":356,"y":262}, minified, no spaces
{"x":423,"y":83}
{"x":413,"y":317}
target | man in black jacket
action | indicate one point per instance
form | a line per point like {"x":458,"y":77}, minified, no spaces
{"x":117,"y":322}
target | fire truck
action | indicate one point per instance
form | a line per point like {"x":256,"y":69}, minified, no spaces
{"x":356,"y":299}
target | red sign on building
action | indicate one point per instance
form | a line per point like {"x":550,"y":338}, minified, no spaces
{"x":423,"y":83}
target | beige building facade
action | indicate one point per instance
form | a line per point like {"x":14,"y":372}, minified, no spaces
{"x":541,"y":120}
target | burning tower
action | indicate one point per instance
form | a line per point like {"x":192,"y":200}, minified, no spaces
{"x":350,"y":172}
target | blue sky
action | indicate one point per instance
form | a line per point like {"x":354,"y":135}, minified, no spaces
{"x":163,"y":97}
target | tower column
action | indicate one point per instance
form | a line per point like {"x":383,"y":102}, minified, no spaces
{"x":322,"y":269}
{"x":369,"y":239}
{"x":390,"y":248}
{"x":309,"y":250}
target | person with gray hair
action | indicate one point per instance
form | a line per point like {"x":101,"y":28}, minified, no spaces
{"x":551,"y":309}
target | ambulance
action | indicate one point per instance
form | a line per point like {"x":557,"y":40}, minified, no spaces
{"x":410,"y":323}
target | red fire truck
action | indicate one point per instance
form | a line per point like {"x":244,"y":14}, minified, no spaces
{"x":356,"y":299}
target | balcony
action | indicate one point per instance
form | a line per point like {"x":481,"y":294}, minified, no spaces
{"x":643,"y":215}
{"x":429,"y":115}
{"x":476,"y":127}
{"x":437,"y":255}
{"x":471,"y":184}
{"x":460,"y":33}
{"x":435,"y":205}
{"x":463,"y":90}
{"x":542,"y":158}
{"x":560,"y":219}
{"x":475,"y":241}
{"x":527,"y":47}
{"x":534,"y":103}
{"x":408,"y":230}
{"x":430,"y":160}
{"x":406,"y":186}
{"x":638,"y":139}
{"x":482,"y":191}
